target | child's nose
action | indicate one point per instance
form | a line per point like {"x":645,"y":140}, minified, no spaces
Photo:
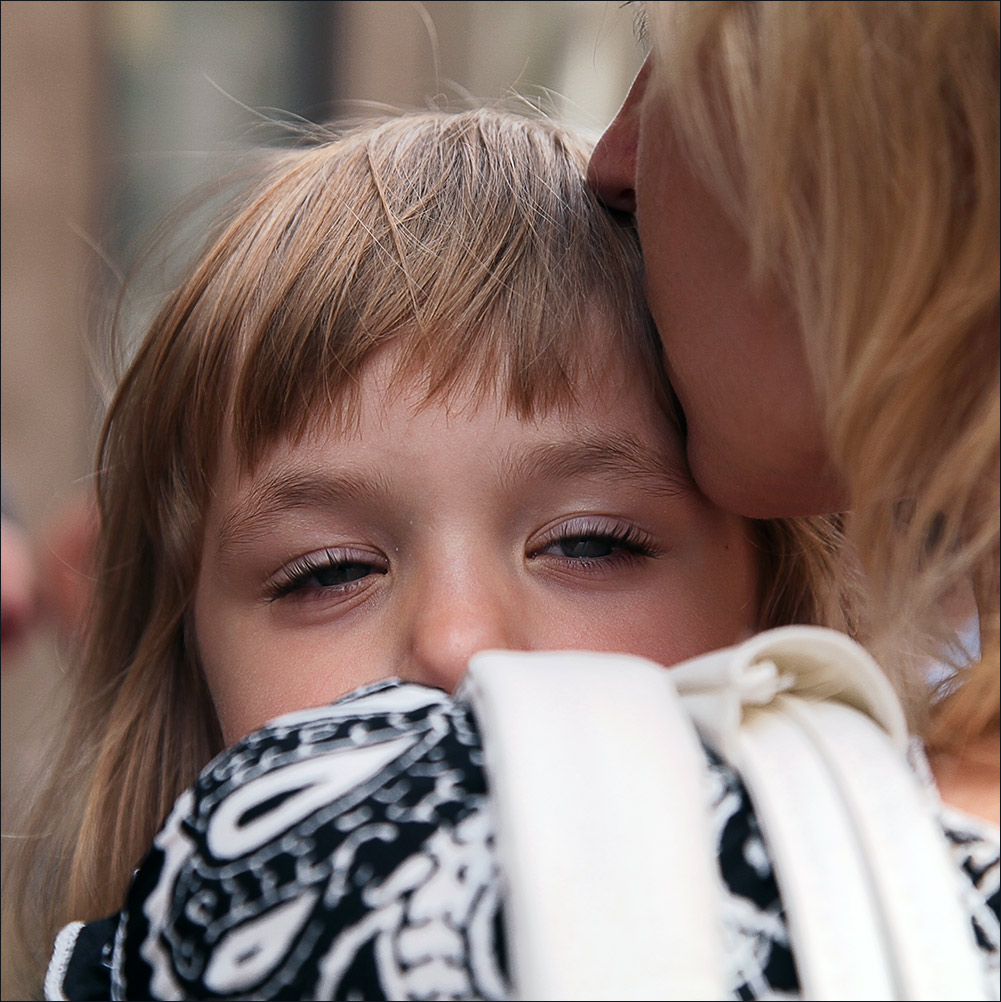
{"x":455,"y":621}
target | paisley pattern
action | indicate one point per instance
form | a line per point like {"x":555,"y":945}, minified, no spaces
{"x":347,"y":852}
{"x":337,"y":853}
{"x":976,"y":854}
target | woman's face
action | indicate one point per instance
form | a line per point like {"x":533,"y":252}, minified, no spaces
{"x":424,"y":534}
{"x":756,"y":443}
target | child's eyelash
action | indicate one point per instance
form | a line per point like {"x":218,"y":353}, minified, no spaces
{"x":310,"y":569}
{"x":583,"y":543}
{"x":630,"y":542}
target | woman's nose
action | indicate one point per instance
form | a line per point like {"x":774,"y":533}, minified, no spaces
{"x":455,"y":620}
{"x":612,"y":170}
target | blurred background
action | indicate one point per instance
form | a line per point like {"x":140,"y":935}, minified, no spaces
{"x":111,"y":112}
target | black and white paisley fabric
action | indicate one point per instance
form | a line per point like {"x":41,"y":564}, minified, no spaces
{"x":344,"y":852}
{"x":347,"y":852}
{"x":754,"y":925}
{"x":976,"y":855}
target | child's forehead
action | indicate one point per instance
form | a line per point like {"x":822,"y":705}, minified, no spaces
{"x":401,"y":444}
{"x":597,"y":373}
{"x":613,"y":401}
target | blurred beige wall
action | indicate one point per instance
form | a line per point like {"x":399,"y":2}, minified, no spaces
{"x":51,"y":189}
{"x":49,"y":104}
{"x":406,"y":54}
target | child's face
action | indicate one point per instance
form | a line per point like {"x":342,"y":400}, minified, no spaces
{"x":425,"y":534}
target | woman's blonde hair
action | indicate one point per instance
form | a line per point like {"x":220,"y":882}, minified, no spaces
{"x":856,"y":145}
{"x":470,"y":241}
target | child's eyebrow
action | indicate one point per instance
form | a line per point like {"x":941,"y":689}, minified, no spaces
{"x":624,"y":458}
{"x":289,"y":490}
{"x":620,"y":459}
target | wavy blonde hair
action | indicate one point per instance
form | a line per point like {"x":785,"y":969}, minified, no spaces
{"x":472,"y":242}
{"x":856,"y":145}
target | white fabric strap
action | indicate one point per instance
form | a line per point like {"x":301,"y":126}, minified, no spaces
{"x":872,"y":898}
{"x":835,"y":925}
{"x":598,"y":780}
{"x":929,"y":936}
{"x":613,"y":892}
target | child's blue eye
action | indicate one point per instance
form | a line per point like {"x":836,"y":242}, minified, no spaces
{"x":587,"y":547}
{"x":596,"y":543}
{"x":329,"y":571}
{"x":338,"y":574}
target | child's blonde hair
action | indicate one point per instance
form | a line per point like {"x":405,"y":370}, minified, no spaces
{"x":856,"y":145}
{"x":472,"y":242}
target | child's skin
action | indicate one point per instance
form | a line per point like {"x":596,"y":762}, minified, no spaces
{"x":428,"y":531}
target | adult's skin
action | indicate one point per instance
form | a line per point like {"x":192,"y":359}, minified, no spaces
{"x":756,"y":443}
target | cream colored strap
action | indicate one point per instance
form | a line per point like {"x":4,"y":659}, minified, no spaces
{"x":598,"y":780}
{"x":871,"y":895}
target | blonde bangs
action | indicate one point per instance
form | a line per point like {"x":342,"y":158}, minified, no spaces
{"x":470,"y":242}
